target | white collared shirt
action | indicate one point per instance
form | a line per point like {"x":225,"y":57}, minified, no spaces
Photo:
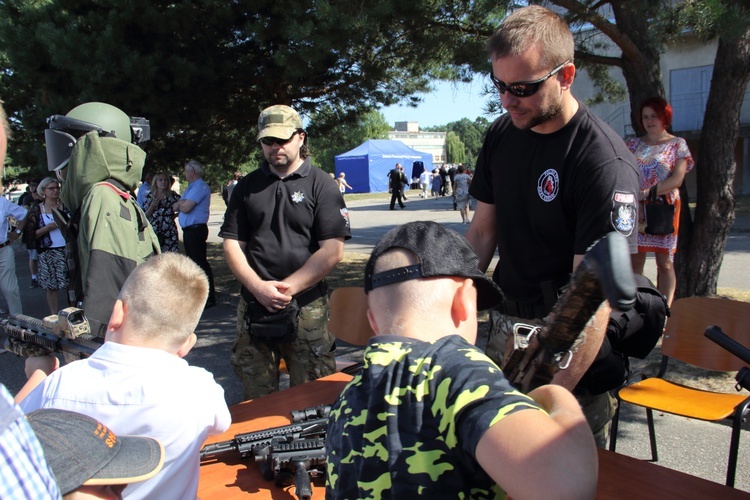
{"x":145,"y":392}
{"x":9,"y":209}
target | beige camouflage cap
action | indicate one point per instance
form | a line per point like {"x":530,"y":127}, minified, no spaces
{"x":278,"y":121}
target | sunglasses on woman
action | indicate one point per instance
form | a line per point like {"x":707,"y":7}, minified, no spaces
{"x":269,"y":141}
{"x":525,"y":89}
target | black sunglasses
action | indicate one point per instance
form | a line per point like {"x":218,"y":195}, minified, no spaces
{"x":525,"y":89}
{"x":269,"y":141}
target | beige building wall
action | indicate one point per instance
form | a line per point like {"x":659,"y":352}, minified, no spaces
{"x":426,"y":142}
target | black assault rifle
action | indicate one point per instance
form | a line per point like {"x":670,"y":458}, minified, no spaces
{"x":67,"y":333}
{"x":286,"y":454}
{"x":535,"y":354}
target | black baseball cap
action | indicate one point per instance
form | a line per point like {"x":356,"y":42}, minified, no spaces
{"x":442,"y":252}
{"x":80,"y":450}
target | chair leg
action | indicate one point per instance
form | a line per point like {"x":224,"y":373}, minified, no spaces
{"x":613,"y":429}
{"x":734,"y":443}
{"x":652,"y":434}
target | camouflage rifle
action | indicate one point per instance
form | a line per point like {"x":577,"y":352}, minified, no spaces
{"x":535,"y":354}
{"x":286,"y":454}
{"x":67,"y":333}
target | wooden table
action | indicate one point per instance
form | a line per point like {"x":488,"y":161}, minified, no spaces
{"x":620,"y":476}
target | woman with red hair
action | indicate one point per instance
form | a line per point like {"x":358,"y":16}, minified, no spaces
{"x":664,"y":160}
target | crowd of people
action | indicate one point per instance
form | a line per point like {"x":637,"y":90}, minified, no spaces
{"x":551,"y":179}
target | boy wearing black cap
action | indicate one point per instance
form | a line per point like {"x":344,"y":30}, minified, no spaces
{"x":89,"y":460}
{"x":430,"y":414}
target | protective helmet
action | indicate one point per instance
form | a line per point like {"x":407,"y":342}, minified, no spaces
{"x":64,"y":131}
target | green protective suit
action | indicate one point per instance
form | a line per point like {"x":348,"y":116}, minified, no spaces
{"x":113,"y":233}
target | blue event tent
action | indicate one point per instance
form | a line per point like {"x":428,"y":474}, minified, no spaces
{"x":367,"y":166}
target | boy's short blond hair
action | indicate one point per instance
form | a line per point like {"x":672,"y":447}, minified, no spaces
{"x":164,"y":298}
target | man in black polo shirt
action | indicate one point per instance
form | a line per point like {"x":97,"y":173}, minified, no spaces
{"x":284,"y":232}
{"x":551,"y":179}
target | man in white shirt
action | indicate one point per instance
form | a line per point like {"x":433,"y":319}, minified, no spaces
{"x":8,"y":279}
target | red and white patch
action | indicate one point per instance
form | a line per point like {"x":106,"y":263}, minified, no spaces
{"x":345,"y":215}
{"x":548,"y":185}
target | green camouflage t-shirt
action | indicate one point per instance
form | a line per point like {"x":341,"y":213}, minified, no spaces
{"x":410,"y":422}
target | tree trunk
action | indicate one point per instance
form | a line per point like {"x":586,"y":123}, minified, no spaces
{"x":701,"y":254}
{"x":640,"y":67}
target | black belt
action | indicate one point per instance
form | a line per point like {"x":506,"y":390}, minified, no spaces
{"x":194,"y":226}
{"x":7,"y":242}
{"x":311,"y":294}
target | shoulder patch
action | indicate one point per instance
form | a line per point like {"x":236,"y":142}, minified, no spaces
{"x":345,"y":214}
{"x":623,"y":214}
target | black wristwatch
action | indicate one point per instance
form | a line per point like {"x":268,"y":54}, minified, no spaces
{"x":17,"y":231}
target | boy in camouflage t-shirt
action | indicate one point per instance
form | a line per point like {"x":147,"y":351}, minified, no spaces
{"x":430,"y":414}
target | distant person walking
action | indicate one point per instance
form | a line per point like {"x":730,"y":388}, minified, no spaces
{"x":461,"y":193}
{"x":341,"y":181}
{"x":424,"y":183}
{"x":397,"y":179}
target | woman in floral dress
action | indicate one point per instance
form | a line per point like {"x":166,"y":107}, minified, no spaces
{"x":664,"y":160}
{"x":160,"y":214}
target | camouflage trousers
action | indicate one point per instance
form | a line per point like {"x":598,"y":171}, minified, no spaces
{"x":309,"y":357}
{"x":599,"y":409}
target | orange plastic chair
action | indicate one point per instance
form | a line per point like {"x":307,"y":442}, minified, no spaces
{"x":684,"y":340}
{"x":348,"y":321}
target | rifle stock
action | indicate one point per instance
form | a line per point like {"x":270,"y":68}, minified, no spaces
{"x":533,"y":357}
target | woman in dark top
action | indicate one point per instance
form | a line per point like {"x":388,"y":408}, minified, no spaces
{"x":160,"y":214}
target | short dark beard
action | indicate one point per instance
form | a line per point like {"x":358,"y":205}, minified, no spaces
{"x":546,"y":115}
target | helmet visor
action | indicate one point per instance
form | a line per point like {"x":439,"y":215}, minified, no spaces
{"x":59,"y":145}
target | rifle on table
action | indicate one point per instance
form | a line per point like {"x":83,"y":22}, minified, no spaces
{"x":290,"y":453}
{"x":535,"y":354}
{"x":67,"y":332}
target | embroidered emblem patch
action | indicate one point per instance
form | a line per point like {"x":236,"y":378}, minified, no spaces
{"x":623,"y":212}
{"x":548,"y":185}
{"x":297,"y":197}
{"x":345,"y":215}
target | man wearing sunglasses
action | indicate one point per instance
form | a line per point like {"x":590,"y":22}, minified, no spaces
{"x":551,"y":179}
{"x":284,"y":231}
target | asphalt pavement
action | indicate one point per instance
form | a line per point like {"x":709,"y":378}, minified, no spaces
{"x":690,"y":446}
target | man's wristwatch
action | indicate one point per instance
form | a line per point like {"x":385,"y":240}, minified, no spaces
{"x":17,"y":231}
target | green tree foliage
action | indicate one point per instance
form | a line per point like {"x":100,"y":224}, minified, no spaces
{"x":471,"y":134}
{"x":326,"y":143}
{"x":630,"y":35}
{"x":455,"y":149}
{"x":202,"y":70}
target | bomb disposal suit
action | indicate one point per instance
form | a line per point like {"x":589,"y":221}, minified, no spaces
{"x":93,"y":149}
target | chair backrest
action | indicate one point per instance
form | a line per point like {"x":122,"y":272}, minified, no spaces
{"x":684,"y":336}
{"x":348,"y":316}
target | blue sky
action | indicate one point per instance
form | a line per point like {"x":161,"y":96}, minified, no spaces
{"x":448,"y":103}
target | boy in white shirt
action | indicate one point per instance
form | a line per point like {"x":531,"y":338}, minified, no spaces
{"x":138,"y":384}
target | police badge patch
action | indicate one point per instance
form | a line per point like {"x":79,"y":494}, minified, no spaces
{"x":623,"y":214}
{"x":298,"y":196}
